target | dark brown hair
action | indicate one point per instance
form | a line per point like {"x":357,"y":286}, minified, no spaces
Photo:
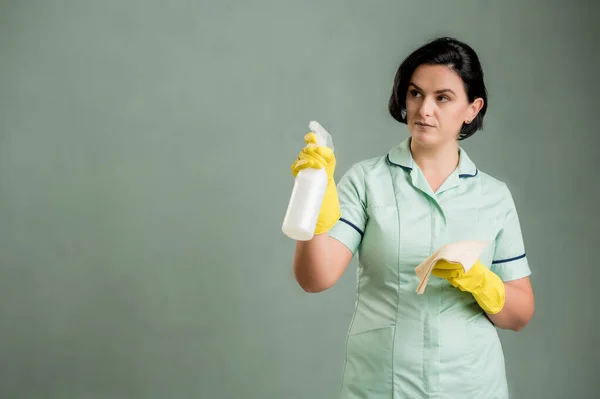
{"x":453,"y":54}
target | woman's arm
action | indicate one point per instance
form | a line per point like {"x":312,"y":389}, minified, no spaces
{"x":518,"y":306}
{"x":509,"y":305}
{"x":320,"y":262}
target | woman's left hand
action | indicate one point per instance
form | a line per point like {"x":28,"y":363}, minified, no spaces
{"x":485,"y":286}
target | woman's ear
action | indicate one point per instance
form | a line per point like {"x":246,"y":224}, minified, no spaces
{"x":473,"y":110}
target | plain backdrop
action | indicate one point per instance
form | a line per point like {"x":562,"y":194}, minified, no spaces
{"x":145,"y":153}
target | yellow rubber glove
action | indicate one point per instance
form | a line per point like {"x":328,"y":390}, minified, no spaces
{"x":485,"y":286}
{"x":314,"y":156}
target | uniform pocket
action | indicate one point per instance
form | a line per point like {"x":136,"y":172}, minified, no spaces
{"x":368,"y":369}
{"x":486,"y":347}
{"x":488,"y":367}
{"x":456,"y":353}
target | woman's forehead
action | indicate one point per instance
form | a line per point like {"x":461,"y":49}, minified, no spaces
{"x":436,"y":77}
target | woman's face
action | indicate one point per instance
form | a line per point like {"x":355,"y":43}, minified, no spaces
{"x":437,"y":106}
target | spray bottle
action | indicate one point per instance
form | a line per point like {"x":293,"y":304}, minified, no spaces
{"x":307,"y":195}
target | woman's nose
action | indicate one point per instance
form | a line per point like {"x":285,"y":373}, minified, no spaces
{"x":426,"y":108}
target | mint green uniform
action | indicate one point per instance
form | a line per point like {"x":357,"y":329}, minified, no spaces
{"x":439,"y":344}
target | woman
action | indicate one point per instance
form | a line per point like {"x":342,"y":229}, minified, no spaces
{"x":395,"y":211}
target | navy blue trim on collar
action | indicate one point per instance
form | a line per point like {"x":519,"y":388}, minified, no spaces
{"x":401,"y":156}
{"x":464,"y":175}
{"x":397,"y":164}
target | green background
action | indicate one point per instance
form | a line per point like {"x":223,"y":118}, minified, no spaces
{"x":145,"y":152}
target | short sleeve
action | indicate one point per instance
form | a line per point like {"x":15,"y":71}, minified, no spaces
{"x":349,"y":230}
{"x":510,"y":260}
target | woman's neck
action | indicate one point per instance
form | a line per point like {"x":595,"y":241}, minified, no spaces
{"x":436,"y":163}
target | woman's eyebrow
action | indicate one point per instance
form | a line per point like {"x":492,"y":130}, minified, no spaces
{"x":437,"y":92}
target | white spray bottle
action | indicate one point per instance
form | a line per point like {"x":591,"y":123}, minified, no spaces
{"x":307,"y":196}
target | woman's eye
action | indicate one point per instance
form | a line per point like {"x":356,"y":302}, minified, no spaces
{"x":414,"y":93}
{"x":443,"y":98}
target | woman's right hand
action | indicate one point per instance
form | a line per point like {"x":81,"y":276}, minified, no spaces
{"x":317,"y":157}
{"x":319,"y":263}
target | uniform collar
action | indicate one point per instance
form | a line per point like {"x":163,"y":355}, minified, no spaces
{"x":401,"y":156}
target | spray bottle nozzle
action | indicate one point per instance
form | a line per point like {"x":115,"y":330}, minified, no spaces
{"x":323,"y":137}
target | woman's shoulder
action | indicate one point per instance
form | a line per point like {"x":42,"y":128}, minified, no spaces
{"x":493,"y":185}
{"x":367,"y":166}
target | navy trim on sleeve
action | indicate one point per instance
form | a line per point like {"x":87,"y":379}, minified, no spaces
{"x":508,"y":260}
{"x":353,"y":226}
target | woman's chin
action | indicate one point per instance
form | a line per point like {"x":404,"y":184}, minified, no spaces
{"x":424,"y":138}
